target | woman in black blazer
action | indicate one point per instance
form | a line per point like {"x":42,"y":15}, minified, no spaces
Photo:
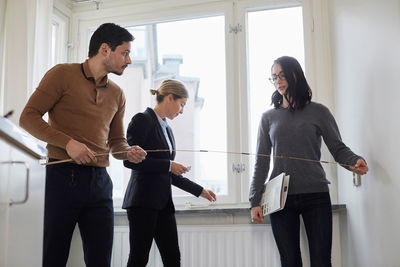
{"x":148,"y":197}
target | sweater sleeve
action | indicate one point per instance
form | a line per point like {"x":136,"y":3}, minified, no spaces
{"x":261,"y":167}
{"x":45,"y":97}
{"x":331,"y":135}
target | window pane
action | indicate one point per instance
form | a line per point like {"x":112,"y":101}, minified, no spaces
{"x":192,"y":51}
{"x":271,"y":34}
{"x":201,"y":46}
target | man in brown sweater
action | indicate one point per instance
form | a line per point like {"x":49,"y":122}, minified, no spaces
{"x":86,"y":112}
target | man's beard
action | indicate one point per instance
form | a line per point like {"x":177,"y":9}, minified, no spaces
{"x":111,"y":69}
{"x":117,"y":73}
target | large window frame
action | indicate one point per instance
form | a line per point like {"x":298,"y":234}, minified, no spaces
{"x":237,"y":100}
{"x":59,"y":38}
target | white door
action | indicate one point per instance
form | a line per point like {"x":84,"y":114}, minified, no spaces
{"x":25,"y":230}
{"x":4,"y":203}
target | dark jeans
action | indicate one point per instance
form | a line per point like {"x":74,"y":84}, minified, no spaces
{"x":146,"y":224}
{"x":316,"y":210}
{"x":83,"y":195}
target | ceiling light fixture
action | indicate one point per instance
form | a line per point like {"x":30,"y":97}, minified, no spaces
{"x":97,"y":2}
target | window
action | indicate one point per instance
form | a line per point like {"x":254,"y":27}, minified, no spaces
{"x":178,"y":50}
{"x":58,"y":38}
{"x":223,"y":53}
{"x":271,"y":34}
{"x":203,"y":70}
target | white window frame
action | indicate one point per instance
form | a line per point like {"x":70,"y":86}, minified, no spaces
{"x":61,"y":45}
{"x":145,"y":12}
{"x":131,"y":17}
{"x":243,"y":8}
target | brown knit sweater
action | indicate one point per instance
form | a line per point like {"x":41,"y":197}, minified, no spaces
{"x":78,"y":108}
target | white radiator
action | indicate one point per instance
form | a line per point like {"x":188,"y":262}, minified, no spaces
{"x":211,"y":246}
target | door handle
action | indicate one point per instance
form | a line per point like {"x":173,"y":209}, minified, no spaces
{"x":25,"y":199}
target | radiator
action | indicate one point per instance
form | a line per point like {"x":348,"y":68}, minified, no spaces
{"x":210,"y":246}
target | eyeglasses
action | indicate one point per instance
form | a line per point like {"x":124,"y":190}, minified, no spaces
{"x":274,"y":77}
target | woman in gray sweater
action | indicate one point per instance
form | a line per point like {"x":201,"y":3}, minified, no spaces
{"x":294,"y":128}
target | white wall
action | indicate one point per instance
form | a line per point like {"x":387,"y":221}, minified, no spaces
{"x":18,"y":56}
{"x":365,"y":38}
{"x":27,"y":32}
{"x":2,"y":18}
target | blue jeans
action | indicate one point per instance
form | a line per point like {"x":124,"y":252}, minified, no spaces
{"x":316,"y":210}
{"x":78,"y":194}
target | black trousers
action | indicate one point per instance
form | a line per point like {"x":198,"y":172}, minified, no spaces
{"x":146,"y":224}
{"x":83,"y":195}
{"x":316,"y":210}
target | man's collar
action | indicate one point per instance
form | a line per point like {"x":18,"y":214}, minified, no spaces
{"x":89,"y":75}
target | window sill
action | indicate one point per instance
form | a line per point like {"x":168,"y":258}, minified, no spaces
{"x":212,"y":215}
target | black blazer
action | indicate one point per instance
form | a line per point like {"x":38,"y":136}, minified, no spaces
{"x":150,"y":182}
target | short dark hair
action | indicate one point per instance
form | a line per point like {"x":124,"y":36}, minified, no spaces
{"x":298,"y":92}
{"x":111,"y":34}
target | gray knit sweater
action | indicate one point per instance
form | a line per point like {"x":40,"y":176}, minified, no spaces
{"x":297,"y":134}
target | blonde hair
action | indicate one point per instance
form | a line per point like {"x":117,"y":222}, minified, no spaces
{"x":174,"y":87}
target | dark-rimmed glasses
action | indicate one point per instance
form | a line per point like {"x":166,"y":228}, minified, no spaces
{"x":274,"y":77}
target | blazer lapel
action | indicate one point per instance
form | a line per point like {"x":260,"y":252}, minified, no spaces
{"x":172,"y":140}
{"x":160,"y":132}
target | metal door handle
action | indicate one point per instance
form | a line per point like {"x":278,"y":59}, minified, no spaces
{"x":26,"y":181}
